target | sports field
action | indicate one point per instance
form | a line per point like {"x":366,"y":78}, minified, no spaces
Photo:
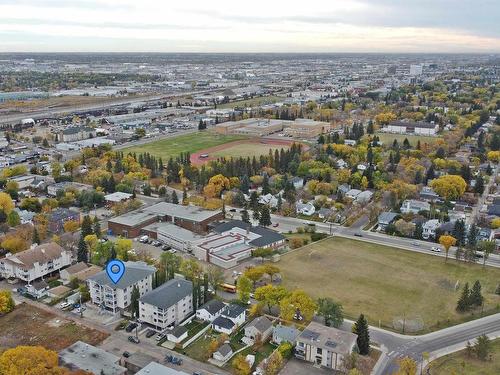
{"x":387,"y":284}
{"x":193,"y":142}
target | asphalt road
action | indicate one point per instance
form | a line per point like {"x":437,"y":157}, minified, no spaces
{"x":286,"y":224}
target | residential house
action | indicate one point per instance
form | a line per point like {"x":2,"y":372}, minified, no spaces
{"x":117,"y":197}
{"x":413,"y":206}
{"x":170,"y":303}
{"x":25,"y":216}
{"x":37,"y":289}
{"x":117,"y":297}
{"x":268,"y":200}
{"x":224,"y":353}
{"x":54,"y":189}
{"x":283,"y":333}
{"x":428,"y":194}
{"x":306,"y":209}
{"x":230,"y":319}
{"x":343,"y":189}
{"x":353,"y":193}
{"x":324,"y":346}
{"x":325,"y":213}
{"x":258,"y":329}
{"x":385,"y":219}
{"x":429,"y":228}
{"x":88,"y":358}
{"x":341,"y":164}
{"x":298,"y":182}
{"x":177,"y":334}
{"x":210,"y":310}
{"x":36,"y":262}
{"x":364,"y":197}
{"x":80,"y":271}
{"x":59,"y":216}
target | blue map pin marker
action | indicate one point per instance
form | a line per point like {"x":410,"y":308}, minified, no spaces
{"x":115,"y":270}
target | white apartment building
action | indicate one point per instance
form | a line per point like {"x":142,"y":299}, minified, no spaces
{"x":168,"y":304}
{"x":324,"y":346}
{"x":35,"y":263}
{"x":117,"y":297}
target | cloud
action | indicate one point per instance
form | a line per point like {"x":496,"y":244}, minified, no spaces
{"x":262,"y":25}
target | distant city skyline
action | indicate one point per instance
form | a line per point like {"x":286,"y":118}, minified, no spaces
{"x":259,"y":26}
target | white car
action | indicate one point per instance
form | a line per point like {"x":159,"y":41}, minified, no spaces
{"x":64,"y":305}
{"x":435,"y":249}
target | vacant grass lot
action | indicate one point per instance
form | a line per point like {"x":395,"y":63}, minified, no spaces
{"x":388,"y":138}
{"x":172,"y":147}
{"x":459,"y":363}
{"x":28,"y":325}
{"x":386,"y":283}
{"x":248,"y":150}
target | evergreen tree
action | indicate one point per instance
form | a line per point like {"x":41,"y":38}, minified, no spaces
{"x":134,"y":301}
{"x":472,"y":235}
{"x":256,"y":213}
{"x":463,"y":303}
{"x":175,"y":199}
{"x":370,"y":129}
{"x":245,"y":184}
{"x":205,"y":287}
{"x":459,"y":232}
{"x":245,"y":217}
{"x":223,"y":210}
{"x":265,"y":217}
{"x":265,"y":185}
{"x":36,"y":237}
{"x":86,"y":226}
{"x":418,"y":231}
{"x":360,"y":328}
{"x":97,"y":227}
{"x":184,"y":196}
{"x":195,"y":296}
{"x":479,"y":187}
{"x":82,"y":254}
{"x":476,"y":298}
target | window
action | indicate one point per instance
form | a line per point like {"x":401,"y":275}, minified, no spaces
{"x":319,"y":351}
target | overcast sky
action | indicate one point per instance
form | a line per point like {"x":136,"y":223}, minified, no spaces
{"x":250,"y":26}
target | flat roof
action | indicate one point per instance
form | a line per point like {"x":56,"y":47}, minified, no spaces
{"x":169,"y":229}
{"x":193,"y":213}
{"x":134,"y":218}
{"x":155,"y":368}
{"x":86,"y":357}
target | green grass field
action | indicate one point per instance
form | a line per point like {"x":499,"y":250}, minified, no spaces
{"x":172,"y":147}
{"x":252,"y":102}
{"x":250,"y":149}
{"x":386,"y":283}
{"x":387,"y":138}
{"x":459,"y":363}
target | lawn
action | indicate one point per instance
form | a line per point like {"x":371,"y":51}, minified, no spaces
{"x":173,"y":146}
{"x":28,"y":325}
{"x":388,"y":138}
{"x":260,"y":354}
{"x":248,"y":149}
{"x":198,"y":350}
{"x":387,"y":284}
{"x":459,"y":363}
{"x":252,"y":102}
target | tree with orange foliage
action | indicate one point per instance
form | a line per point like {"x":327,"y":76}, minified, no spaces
{"x":30,"y":360}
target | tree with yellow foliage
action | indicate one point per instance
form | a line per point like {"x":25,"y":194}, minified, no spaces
{"x":6,"y":302}
{"x":449,"y":186}
{"x":30,"y":360}
{"x":216,"y":185}
{"x":495,"y":223}
{"x":297,"y":300}
{"x":71,"y":226}
{"x":407,"y":366}
{"x":14,"y":244}
{"x":241,"y":366}
{"x":274,"y":364}
{"x":384,"y":118}
{"x":6,"y":203}
{"x":447,"y":242}
{"x":494,"y":156}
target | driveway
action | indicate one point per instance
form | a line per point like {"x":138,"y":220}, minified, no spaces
{"x":297,"y":367}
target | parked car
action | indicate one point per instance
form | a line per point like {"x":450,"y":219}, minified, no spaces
{"x":65,"y":305}
{"x":131,"y":327}
{"x":160,"y":336}
{"x":177,"y":361}
{"x":415,"y":243}
{"x":126,"y":354}
{"x":232,"y":210}
{"x":435,"y":249}
{"x":275,"y":225}
{"x":358,"y":234}
{"x":134,"y":339}
{"x":156,"y":243}
{"x":150,"y":333}
{"x":168,"y":358}
{"x":166,"y":247}
{"x":144,"y":239}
